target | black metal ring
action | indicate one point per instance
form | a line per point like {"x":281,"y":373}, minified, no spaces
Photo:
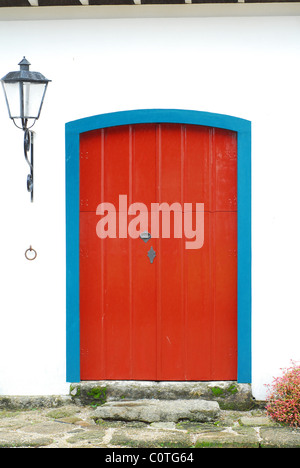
{"x":31,"y":250}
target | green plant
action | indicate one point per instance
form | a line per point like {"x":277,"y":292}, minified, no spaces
{"x":217,"y":391}
{"x":99,"y":395}
{"x":283,"y":399}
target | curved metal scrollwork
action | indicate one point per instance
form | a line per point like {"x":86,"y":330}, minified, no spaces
{"x":28,"y":148}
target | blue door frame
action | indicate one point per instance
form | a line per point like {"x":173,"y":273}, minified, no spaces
{"x":73,"y":131}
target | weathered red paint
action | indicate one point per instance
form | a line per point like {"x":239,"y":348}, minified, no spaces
{"x":175,"y":319}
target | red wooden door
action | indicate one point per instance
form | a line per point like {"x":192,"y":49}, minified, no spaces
{"x":174,"y":318}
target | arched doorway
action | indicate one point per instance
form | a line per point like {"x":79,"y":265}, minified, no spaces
{"x":172,"y":316}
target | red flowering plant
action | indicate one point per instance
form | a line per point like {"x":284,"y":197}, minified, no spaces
{"x":283,"y":400}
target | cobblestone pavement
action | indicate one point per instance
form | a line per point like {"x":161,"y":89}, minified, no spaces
{"x":72,"y":426}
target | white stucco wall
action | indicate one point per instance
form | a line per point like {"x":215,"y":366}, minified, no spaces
{"x":246,"y":67}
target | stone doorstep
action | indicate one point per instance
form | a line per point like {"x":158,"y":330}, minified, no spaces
{"x":150,"y":411}
{"x":229,"y":395}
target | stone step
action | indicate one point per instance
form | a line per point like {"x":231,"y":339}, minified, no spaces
{"x":229,"y":395}
{"x":151,"y":411}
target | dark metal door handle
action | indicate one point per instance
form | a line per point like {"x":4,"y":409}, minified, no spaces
{"x":151,"y":254}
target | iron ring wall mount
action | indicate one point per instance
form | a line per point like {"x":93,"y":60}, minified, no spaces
{"x":28,"y":257}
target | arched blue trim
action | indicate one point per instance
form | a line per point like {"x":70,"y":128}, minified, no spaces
{"x":73,"y":131}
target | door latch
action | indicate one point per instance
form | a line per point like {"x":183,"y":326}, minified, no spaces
{"x":145,"y":236}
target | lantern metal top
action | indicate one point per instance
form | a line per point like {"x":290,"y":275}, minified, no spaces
{"x":24,"y":75}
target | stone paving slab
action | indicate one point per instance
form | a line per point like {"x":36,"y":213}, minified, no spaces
{"x":72,"y":426}
{"x":11,"y":440}
{"x":155,"y":438}
{"x":280,"y":437}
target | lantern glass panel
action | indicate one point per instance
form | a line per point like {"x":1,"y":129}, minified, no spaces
{"x":12,"y":95}
{"x":24,"y":100}
{"x":33,"y":96}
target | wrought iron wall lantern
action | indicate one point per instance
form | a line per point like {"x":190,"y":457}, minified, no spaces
{"x":24,"y":93}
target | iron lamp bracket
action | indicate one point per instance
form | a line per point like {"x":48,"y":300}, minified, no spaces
{"x":28,"y":153}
